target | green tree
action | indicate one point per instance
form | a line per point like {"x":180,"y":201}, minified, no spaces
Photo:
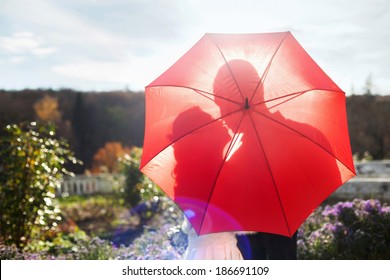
{"x":129,"y":165}
{"x":138,"y":188}
{"x":85,"y":130}
{"x":31,"y":168}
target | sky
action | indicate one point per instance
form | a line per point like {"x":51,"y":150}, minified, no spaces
{"x":99,"y":45}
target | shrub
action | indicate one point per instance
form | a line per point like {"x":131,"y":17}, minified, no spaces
{"x":153,"y":244}
{"x":93,"y":207}
{"x":129,"y":166}
{"x":74,"y":246}
{"x":139,"y":192}
{"x":60,"y":246}
{"x":347,"y":230}
{"x":31,"y":168}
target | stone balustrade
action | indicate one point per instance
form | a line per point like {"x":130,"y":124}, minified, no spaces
{"x":372,"y":181}
{"x":364,"y":187}
{"x":87,"y":184}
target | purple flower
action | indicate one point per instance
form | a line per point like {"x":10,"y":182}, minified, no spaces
{"x":331,"y":211}
{"x":346,"y":204}
{"x":371,"y":206}
{"x":385,"y":210}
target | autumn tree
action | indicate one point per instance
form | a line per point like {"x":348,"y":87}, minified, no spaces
{"x":46,"y":109}
{"x":106,"y":158}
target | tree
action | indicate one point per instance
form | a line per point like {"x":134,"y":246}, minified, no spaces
{"x":31,"y":168}
{"x":84,"y":130}
{"x":107,"y":157}
{"x":369,"y":124}
{"x":129,"y":166}
{"x":139,"y":192}
{"x":46,"y":109}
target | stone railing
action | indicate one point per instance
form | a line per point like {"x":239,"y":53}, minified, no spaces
{"x":88,"y":184}
{"x":374,"y":168}
{"x":372,"y":181}
{"x":364,"y":187}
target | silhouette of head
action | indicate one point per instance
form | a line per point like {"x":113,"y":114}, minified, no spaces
{"x":197,"y":153}
{"x":237,"y":85}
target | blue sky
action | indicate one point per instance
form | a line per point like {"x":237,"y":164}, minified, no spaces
{"x":118,"y":44}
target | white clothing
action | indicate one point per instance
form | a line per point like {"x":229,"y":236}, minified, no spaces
{"x":212,"y":246}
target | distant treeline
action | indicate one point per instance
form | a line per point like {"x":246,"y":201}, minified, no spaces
{"x":89,"y":120}
{"x":369,"y":124}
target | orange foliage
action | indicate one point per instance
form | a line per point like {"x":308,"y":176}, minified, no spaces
{"x":46,"y":109}
{"x":106,"y":158}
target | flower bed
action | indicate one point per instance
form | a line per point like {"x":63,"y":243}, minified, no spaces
{"x":358,"y":229}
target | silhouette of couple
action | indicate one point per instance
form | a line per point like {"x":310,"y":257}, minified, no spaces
{"x":224,"y":139}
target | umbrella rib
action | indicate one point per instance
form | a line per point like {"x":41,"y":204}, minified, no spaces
{"x":293,"y":95}
{"x":188,"y":133}
{"x":270,"y":171}
{"x":230,"y":70}
{"x":200,"y":127}
{"x":205,"y":94}
{"x":272,"y":58}
{"x":201,"y":92}
{"x":232,"y":143}
{"x":304,"y":136}
{"x":261,"y":81}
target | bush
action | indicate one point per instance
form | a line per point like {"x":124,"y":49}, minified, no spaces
{"x":31,"y":168}
{"x":73,"y":246}
{"x":129,"y":166}
{"x":139,"y":192}
{"x":347,"y":230}
{"x":93,"y":207}
{"x":155,"y":243}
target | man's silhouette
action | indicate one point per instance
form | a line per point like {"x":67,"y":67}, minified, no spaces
{"x":238,"y":90}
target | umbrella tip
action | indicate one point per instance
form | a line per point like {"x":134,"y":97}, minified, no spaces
{"x":247,"y":103}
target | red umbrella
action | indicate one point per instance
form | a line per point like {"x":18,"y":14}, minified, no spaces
{"x":246,"y":132}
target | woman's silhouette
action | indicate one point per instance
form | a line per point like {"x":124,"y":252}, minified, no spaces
{"x":195,"y":169}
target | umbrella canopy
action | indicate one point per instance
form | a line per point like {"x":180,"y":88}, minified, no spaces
{"x":245,"y":132}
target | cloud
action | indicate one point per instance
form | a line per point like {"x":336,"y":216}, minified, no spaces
{"x":67,"y":31}
{"x":25,"y":43}
{"x":135,"y":72}
{"x":119,"y":42}
{"x":104,"y":71}
{"x":118,"y":74}
{"x":17,"y":59}
{"x":97,"y":29}
{"x":141,"y":38}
